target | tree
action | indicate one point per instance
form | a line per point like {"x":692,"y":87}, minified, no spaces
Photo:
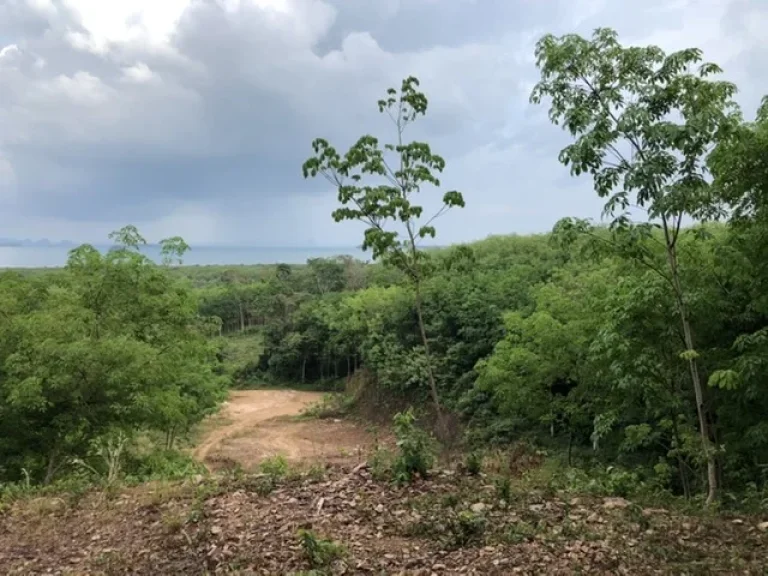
{"x":112,"y":344}
{"x":388,"y":199}
{"x":643,"y":123}
{"x":327,"y":273}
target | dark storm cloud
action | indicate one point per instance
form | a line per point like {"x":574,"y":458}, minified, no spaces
{"x":203,"y":124}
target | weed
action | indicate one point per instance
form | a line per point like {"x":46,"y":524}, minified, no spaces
{"x":518,"y":532}
{"x":474,"y":463}
{"x":261,"y":485}
{"x":380,"y":464}
{"x":172,"y":522}
{"x":275,"y":466}
{"x":415,"y":453}
{"x":450,"y":500}
{"x":316,"y":473}
{"x":320,"y":554}
{"x":203,"y":491}
{"x":465,"y":528}
{"x":330,"y":406}
{"x":112,"y":562}
{"x":110,"y":450}
{"x":503,"y":487}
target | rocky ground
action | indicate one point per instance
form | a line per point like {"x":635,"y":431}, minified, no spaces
{"x":449,"y":524}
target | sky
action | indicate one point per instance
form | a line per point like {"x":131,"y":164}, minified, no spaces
{"x":193,"y":117}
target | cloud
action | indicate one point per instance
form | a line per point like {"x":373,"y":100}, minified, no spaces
{"x":193,"y":117}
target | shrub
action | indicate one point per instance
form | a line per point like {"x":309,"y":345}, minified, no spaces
{"x":318,"y":552}
{"x":503,"y":486}
{"x":474,"y":463}
{"x":275,"y":467}
{"x":415,"y":453}
{"x":161,"y":464}
{"x":332,"y":405}
{"x":465,"y":528}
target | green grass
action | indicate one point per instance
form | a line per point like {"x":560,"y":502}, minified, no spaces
{"x":241,"y":356}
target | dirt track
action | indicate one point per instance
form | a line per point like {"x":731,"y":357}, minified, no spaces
{"x":259,"y":423}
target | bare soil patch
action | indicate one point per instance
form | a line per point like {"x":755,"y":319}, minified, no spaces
{"x":262,"y":423}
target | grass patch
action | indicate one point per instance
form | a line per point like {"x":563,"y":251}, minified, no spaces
{"x":332,"y":405}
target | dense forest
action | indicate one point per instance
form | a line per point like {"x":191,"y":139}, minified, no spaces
{"x":638,"y":345}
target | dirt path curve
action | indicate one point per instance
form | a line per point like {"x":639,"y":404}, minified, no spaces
{"x":258,"y":424}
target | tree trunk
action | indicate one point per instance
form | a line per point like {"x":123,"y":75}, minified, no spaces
{"x":680,"y":463}
{"x":442,"y":428}
{"x":701,"y":409}
{"x":242,"y":316}
{"x":303,"y":368}
{"x":52,"y":468}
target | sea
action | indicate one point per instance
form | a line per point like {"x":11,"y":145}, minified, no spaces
{"x":56,"y":256}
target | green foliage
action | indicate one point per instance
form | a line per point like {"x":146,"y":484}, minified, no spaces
{"x":331,"y":406}
{"x":643,"y":122}
{"x":474,"y":463}
{"x":275,"y":467}
{"x":415,"y":166}
{"x":391,"y":201}
{"x":415,"y":454}
{"x":320,"y":554}
{"x":654,"y":115}
{"x":518,"y":532}
{"x":464,"y":528}
{"x":161,"y":464}
{"x":637,"y":352}
{"x":111,"y":345}
{"x":503,"y":488}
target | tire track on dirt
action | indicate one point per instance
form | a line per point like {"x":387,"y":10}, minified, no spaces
{"x":259,"y":424}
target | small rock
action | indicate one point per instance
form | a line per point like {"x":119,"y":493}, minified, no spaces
{"x":737,"y":521}
{"x":616,"y":502}
{"x":477,"y":508}
{"x":215,"y":530}
{"x":763,"y":526}
{"x":380,"y":508}
{"x":437,"y":567}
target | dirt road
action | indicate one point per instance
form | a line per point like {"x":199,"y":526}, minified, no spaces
{"x":259,"y":423}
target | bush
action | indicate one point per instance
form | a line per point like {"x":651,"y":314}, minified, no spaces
{"x":415,"y":452}
{"x":275,"y":466}
{"x":318,"y":552}
{"x":503,"y":486}
{"x":474,"y":463}
{"x":465,"y":528}
{"x":332,"y":405}
{"x":161,"y":464}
